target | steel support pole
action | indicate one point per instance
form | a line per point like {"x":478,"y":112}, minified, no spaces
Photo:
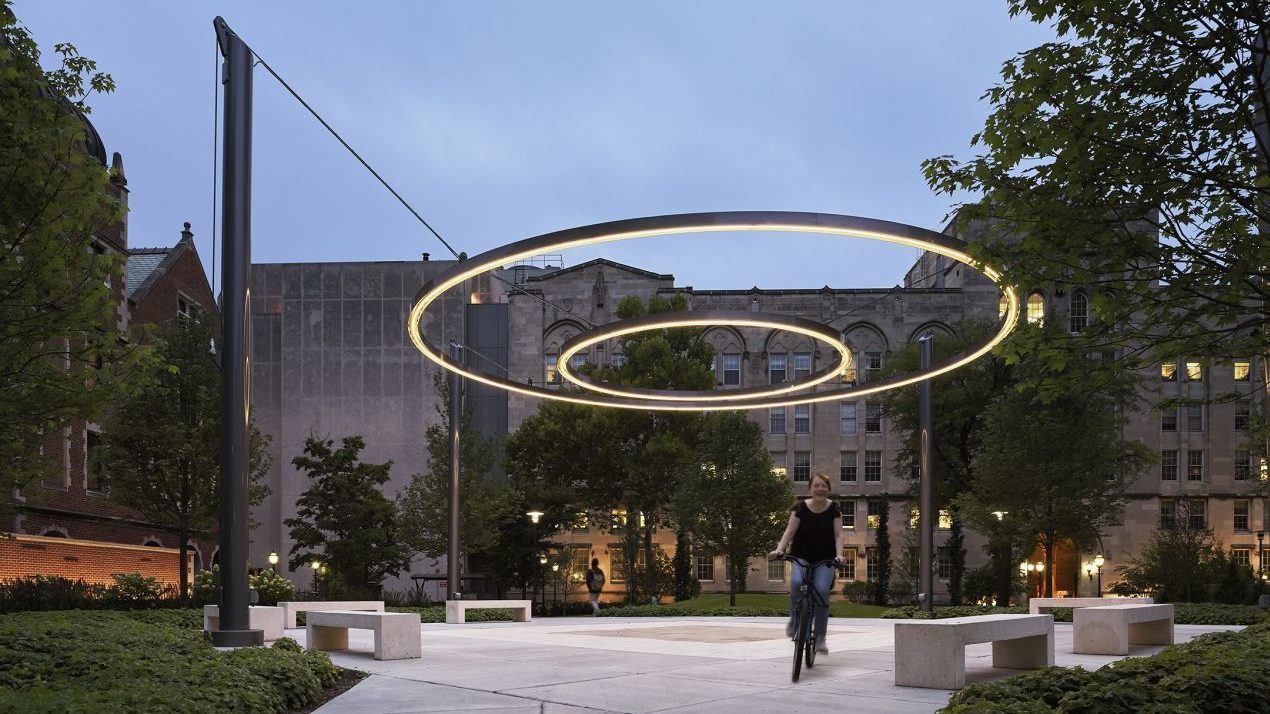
{"x":926,"y":497}
{"x":235,"y":403}
{"x":453,"y":572}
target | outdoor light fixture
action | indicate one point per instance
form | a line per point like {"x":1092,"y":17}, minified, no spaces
{"x":534,"y":516}
{"x":733,"y":221}
{"x":1040,"y":566}
{"x":273,"y":559}
{"x":1098,"y":563}
{"x":1000,"y":515}
{"x":555,"y":567}
{"x":542,"y":560}
{"x":315,"y":565}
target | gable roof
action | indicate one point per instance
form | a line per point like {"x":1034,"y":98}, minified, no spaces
{"x":142,"y":264}
{"x":603,"y":262}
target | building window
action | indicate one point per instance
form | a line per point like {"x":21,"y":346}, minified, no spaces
{"x":184,"y":308}
{"x":776,"y":570}
{"x":873,"y":418}
{"x":872,"y":365}
{"x":1243,"y":370}
{"x":1168,"y":371}
{"x":779,"y":464}
{"x":579,"y":562}
{"x":1265,"y":561}
{"x":1168,"y":465}
{"x":1035,"y":308}
{"x":871,"y":564}
{"x":802,"y":418}
{"x":802,"y":364}
{"x":1197,"y":514}
{"x":1194,"y":417}
{"x":1243,"y":465}
{"x":872,"y":467}
{"x":1168,"y":419}
{"x":1242,"y":555}
{"x":727,"y":568}
{"x":875,"y":513}
{"x":577,"y":361}
{"x":1194,"y":371}
{"x":1195,"y":465}
{"x":92,"y":471}
{"x":945,"y":519}
{"x":1078,"y":312}
{"x":802,"y":466}
{"x":617,"y":359}
{"x":945,"y":564}
{"x":704,"y":565}
{"x":731,"y":369}
{"x":1241,"y":514}
{"x":847,"y":507}
{"x":846,"y":414}
{"x":1243,"y":415}
{"x":1168,"y":513}
{"x":847,"y":570}
{"x":776,"y":420}
{"x":847,"y":467}
{"x":1002,"y":306}
{"x":549,"y":367}
{"x":850,"y":373}
{"x":776,"y":368}
{"x":617,"y":565}
{"x":580,"y":523}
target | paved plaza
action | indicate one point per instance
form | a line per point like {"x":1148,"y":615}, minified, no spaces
{"x":654,"y":665}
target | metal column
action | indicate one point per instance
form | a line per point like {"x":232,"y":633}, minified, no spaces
{"x":926,"y":498}
{"x":235,"y":401}
{"x":452,"y":571}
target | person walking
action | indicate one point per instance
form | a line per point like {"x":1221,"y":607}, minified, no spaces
{"x":594,"y":585}
{"x":814,"y":534}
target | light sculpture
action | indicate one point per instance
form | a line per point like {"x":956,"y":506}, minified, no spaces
{"x":731,"y":221}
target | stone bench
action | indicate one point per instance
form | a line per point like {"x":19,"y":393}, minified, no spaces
{"x":1110,"y":630}
{"x":932,"y":653}
{"x":291,"y":609}
{"x":456,"y":610}
{"x":1041,"y":605}
{"x":259,"y":617}
{"x":397,"y":634}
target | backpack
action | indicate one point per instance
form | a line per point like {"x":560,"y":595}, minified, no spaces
{"x":597,"y":579}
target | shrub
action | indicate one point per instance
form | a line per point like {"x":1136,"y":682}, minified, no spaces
{"x":914,"y":612}
{"x":857,"y":591}
{"x":134,"y":590}
{"x":273,"y":588}
{"x":414,"y":596}
{"x":206,"y":590}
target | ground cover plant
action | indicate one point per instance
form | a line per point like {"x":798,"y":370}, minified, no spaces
{"x":147,"y":661}
{"x":1184,"y":613}
{"x":1217,"y":672}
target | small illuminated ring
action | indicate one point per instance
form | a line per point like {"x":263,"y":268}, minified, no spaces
{"x":696,"y":318}
{"x":727,"y":221}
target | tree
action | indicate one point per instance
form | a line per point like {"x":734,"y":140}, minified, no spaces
{"x":732,"y":503}
{"x":343,"y":519}
{"x":959,"y":401}
{"x":57,"y":342}
{"x":1185,"y":563}
{"x":160,"y":451}
{"x":424,"y":505}
{"x":1125,"y":156}
{"x":1058,"y":468}
{"x":882,"y":584}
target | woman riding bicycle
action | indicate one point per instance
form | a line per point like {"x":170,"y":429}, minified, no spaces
{"x":814,"y":534}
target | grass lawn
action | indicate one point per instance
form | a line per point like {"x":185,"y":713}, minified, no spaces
{"x":777,"y":601}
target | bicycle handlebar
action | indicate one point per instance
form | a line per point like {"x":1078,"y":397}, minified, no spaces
{"x":806,"y":564}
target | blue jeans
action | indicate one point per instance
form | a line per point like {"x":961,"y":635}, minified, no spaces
{"x":822,"y":583}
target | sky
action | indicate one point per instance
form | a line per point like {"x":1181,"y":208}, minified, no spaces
{"x":503,"y":120}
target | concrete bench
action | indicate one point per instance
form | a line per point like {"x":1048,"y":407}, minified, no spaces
{"x":291,"y":609}
{"x":456,"y":610}
{"x":1110,"y":630}
{"x":397,"y":634}
{"x":259,"y":617}
{"x":932,"y":653}
{"x":1041,"y":605}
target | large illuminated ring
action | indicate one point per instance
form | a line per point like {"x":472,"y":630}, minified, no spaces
{"x":737,"y":318}
{"x":779,"y":221}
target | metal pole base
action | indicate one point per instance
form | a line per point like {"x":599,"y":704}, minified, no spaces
{"x":238,"y":638}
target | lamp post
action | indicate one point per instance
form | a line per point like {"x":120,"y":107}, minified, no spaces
{"x":1089,"y":570}
{"x":315,"y":565}
{"x":1261,"y":556}
{"x":555,"y":584}
{"x":1098,"y":563}
{"x":1003,"y":549}
{"x":534,"y":516}
{"x":273,"y":560}
{"x":1040,"y":578}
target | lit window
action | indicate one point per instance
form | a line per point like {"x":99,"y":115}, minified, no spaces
{"x":873,"y":418}
{"x":580,"y":523}
{"x":776,"y":368}
{"x":1035,"y":308}
{"x":1194,"y":371}
{"x":1002,"y":306}
{"x":549,"y":365}
{"x":847,"y":508}
{"x":1243,"y":465}
{"x":776,"y":570}
{"x":1243,"y":370}
{"x":802,"y":364}
{"x":1241,"y":514}
{"x":779,"y":468}
{"x":1168,"y":371}
{"x":1195,"y":465}
{"x":731,"y":369}
{"x":776,"y":420}
{"x":872,"y":466}
{"x":1078,"y":312}
{"x":847,"y":414}
{"x":802,"y":466}
{"x":1243,"y":415}
{"x":579,"y":563}
{"x":802,"y":418}
{"x":849,"y":374}
{"x":1168,"y":465}
{"x":847,"y":469}
{"x":945,"y":519}
{"x":875,"y":513}
{"x":704,"y":565}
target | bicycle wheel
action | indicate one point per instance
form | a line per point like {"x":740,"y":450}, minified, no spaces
{"x":800,"y":637}
{"x":810,"y":647}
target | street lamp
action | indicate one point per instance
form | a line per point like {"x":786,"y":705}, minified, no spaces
{"x":315,"y":565}
{"x":273,"y":559}
{"x":1098,"y":563}
{"x":1040,"y":578}
{"x":1261,"y":556}
{"x":534,"y":516}
{"x":1000,"y":515}
{"x":555,"y":583}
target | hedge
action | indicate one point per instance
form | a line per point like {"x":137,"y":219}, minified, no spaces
{"x":677,"y":611}
{"x":93,"y":661}
{"x":1184,"y":613}
{"x":1216,"y":672}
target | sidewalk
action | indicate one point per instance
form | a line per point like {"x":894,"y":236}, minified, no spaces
{"x":701,"y":664}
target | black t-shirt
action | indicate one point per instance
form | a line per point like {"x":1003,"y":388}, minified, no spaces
{"x":814,"y":539}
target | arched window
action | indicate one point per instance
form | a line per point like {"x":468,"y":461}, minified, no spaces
{"x":1035,"y":308}
{"x":1078,"y":312}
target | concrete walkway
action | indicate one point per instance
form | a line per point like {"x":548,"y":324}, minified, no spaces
{"x":653,"y":665}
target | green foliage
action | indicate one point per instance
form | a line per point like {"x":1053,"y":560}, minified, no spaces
{"x":1183,"y":613}
{"x":271,"y":587}
{"x":857,"y":591}
{"x":56,"y":302}
{"x":686,"y":585}
{"x":1184,"y":564}
{"x":93,"y":661}
{"x":436,"y":613}
{"x":416,"y":595}
{"x":913,"y":612}
{"x":881,"y":585}
{"x":134,"y":589}
{"x":664,"y":570}
{"x":344,"y":520}
{"x":680,"y":611}
{"x":207,"y":587}
{"x":51,"y":592}
{"x":1216,"y":672}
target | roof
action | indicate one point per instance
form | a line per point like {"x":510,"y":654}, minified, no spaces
{"x":598,"y":261}
{"x":142,"y":263}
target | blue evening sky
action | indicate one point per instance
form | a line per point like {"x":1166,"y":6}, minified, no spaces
{"x":502,"y":120}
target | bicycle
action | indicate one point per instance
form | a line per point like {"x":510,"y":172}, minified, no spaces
{"x":804,"y":614}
